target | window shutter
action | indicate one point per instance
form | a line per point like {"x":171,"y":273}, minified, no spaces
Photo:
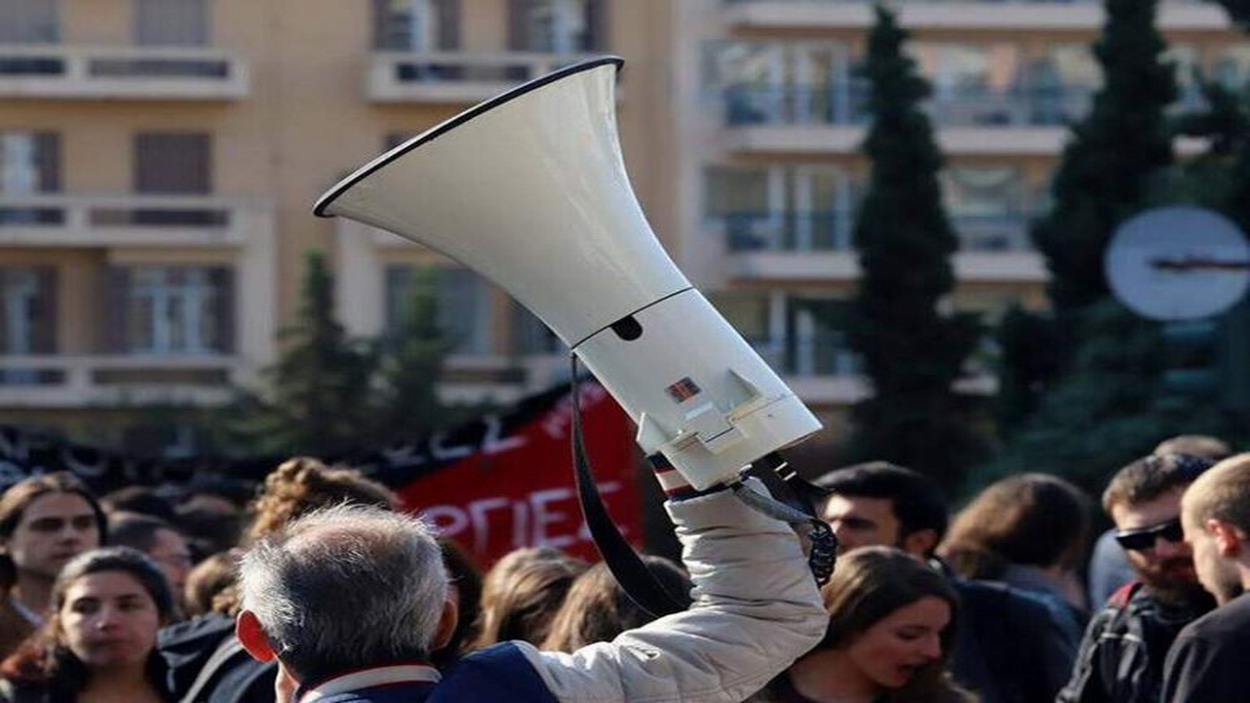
{"x":48,"y":161}
{"x":448,"y":25}
{"x":222,"y":279}
{"x":117,"y":309}
{"x":46,"y":311}
{"x":518,"y":24}
{"x":597,"y":25}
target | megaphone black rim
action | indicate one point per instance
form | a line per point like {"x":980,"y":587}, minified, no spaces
{"x":481,"y":108}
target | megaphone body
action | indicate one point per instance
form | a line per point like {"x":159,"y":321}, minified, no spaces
{"x":529,"y":189}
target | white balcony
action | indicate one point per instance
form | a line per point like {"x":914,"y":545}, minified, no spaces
{"x":121,"y":72}
{"x":1038,"y":15}
{"x":76,"y":220}
{"x":843,"y":266}
{"x":64,"y":381}
{"x":455,"y":77}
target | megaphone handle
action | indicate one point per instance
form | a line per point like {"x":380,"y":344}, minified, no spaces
{"x":635,"y":579}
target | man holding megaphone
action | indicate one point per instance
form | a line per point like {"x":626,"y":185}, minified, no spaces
{"x":529,"y":189}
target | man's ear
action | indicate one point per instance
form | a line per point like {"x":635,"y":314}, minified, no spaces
{"x":447,"y":622}
{"x":247,"y":628}
{"x":920,"y":543}
{"x":1228,"y":539}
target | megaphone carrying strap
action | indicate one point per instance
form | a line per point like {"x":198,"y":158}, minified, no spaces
{"x":635,"y":579}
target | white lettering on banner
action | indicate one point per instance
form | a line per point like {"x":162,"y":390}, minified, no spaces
{"x":477,"y":517}
{"x":441,"y":453}
{"x":493,"y":443}
{"x":448,"y":519}
{"x":531,"y":519}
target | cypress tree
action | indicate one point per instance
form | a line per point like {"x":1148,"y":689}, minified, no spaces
{"x":1102,"y":178}
{"x":912,"y":352}
{"x":318,"y":400}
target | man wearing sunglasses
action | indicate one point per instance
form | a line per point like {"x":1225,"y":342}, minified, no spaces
{"x":1122,"y":655}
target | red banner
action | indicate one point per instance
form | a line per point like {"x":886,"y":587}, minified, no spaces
{"x":513,"y":486}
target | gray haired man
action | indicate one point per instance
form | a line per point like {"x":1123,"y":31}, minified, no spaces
{"x":351,"y":600}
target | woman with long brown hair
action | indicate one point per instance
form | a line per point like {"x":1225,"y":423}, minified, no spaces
{"x":890,"y":632}
{"x":100,"y":642}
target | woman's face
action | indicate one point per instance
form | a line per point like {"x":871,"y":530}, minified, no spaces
{"x":900,"y":644}
{"x":109,"y":619}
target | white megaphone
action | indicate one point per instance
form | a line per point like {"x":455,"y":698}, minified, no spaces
{"x":529,"y":189}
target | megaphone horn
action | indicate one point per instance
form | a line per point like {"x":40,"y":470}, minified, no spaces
{"x":529,"y":189}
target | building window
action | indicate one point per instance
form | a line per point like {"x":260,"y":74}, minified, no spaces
{"x":531,"y":336}
{"x":171,"y":22}
{"x":804,"y":207}
{"x":463,"y":302}
{"x":1062,"y":83}
{"x":27,"y":310}
{"x":416,"y":25}
{"x":173,"y":310}
{"x":974,"y":83}
{"x":173,"y":163}
{"x":987,"y":206}
{"x":29,"y":22}
{"x":558,"y":26}
{"x":790,"y":82}
{"x":29,"y":162}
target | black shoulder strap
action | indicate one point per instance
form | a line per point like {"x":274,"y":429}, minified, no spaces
{"x":627,"y":568}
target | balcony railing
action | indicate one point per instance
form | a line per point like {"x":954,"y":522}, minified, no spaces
{"x":988,"y":15}
{"x":454,"y":77}
{"x":137,"y":72}
{"x":846,"y":104}
{"x":65,"y":381}
{"x":788,"y":231}
{"x":824,"y":231}
{"x":57,"y":219}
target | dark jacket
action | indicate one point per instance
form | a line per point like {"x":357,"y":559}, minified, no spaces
{"x":190,"y":647}
{"x":1211,"y":656}
{"x":1122,"y":654}
{"x":1008,"y":646}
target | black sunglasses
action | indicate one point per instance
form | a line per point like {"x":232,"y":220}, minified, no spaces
{"x":1143,"y":538}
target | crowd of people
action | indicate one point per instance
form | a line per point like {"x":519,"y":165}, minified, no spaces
{"x":319,"y":588}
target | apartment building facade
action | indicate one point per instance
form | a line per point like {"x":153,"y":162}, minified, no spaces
{"x":158,"y":159}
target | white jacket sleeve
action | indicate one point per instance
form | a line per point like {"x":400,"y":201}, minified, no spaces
{"x":756,"y":609}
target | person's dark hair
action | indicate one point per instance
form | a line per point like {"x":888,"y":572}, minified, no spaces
{"x":137,"y":531}
{"x":1205,"y":446}
{"x":20,"y":495}
{"x":868,"y":585}
{"x":597,"y":609}
{"x":522,"y":592}
{"x":142,"y":500}
{"x":466,"y":578}
{"x":46,"y":659}
{"x":917,"y":500}
{"x":1030,"y":519}
{"x":1152,"y":476}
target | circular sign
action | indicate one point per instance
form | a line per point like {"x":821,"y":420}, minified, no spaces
{"x":1178,"y":263}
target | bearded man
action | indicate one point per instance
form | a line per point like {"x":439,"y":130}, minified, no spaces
{"x":1123,"y":652}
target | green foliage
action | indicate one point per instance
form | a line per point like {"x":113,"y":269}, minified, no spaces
{"x":319,"y":390}
{"x":1028,"y":358}
{"x":1112,"y":407}
{"x":1104,"y":170}
{"x":912,"y":352}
